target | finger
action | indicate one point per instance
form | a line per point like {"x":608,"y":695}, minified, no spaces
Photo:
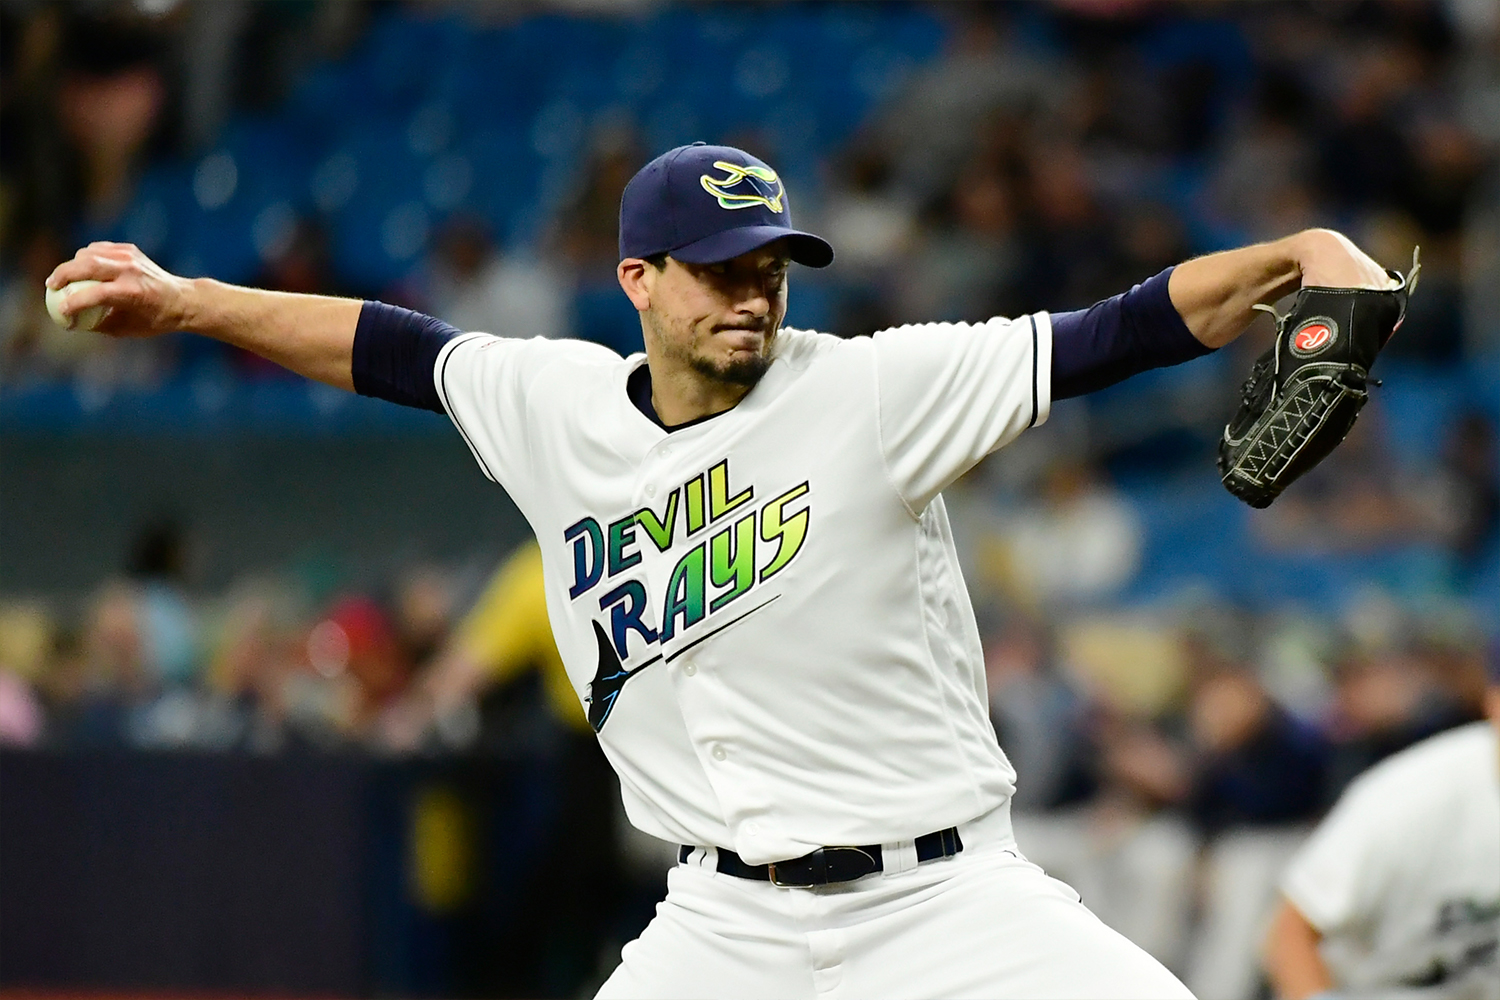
{"x":106,"y":293}
{"x":87,"y":265}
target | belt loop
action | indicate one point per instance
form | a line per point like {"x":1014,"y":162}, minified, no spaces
{"x":897,"y":857}
{"x":951,"y":844}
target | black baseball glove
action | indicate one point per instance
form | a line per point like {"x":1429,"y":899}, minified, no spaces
{"x":1304,"y":393}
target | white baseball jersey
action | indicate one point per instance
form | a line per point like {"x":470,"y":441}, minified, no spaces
{"x":1403,"y":877}
{"x":763,"y":610}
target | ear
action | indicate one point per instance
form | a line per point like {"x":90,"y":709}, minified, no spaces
{"x":637,"y":278}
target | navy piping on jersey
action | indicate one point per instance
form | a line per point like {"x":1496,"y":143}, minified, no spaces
{"x":1035,"y":389}
{"x":442,"y":386}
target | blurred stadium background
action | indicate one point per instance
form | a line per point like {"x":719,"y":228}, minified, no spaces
{"x":218,"y":583}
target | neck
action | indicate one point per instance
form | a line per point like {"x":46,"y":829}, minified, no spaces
{"x":680,"y":393}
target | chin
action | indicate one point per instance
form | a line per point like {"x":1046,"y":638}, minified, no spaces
{"x":745,"y":370}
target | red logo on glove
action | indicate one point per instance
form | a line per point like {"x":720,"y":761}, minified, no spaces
{"x":1313,"y":336}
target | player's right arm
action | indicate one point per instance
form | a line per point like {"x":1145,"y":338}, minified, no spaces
{"x":313,"y":335}
{"x":1292,"y":960}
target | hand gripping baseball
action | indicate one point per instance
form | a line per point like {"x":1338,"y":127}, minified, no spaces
{"x":1303,"y":395}
{"x":142,"y":299}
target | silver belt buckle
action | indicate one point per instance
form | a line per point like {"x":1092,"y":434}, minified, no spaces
{"x":776,"y":880}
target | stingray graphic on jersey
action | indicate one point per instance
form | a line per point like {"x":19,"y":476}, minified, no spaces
{"x":609,"y":678}
{"x":611,"y":675}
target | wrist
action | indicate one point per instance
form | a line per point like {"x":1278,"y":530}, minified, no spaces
{"x":192,"y":313}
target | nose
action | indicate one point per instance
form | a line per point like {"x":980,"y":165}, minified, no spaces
{"x":754,"y":299}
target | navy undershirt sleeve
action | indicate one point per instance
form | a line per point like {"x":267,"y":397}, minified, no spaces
{"x":395,"y":351}
{"x":1114,"y":339}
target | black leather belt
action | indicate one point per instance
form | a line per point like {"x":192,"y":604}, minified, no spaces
{"x":827,"y":865}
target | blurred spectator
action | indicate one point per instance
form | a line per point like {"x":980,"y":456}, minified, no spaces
{"x":1469,"y":488}
{"x":158,"y":564}
{"x":424,"y":607}
{"x":110,"y":104}
{"x":931,"y":125}
{"x":25,"y":634}
{"x":967,"y":255}
{"x":1257,"y":764}
{"x":1385,"y":700}
{"x":875,"y":226}
{"x":506,"y":639}
{"x":1039,"y":718}
{"x":588,"y":238}
{"x":1072,"y":259}
{"x":360,"y":632}
{"x":1261,"y":178}
{"x":473,"y":286}
{"x":1078,"y":541}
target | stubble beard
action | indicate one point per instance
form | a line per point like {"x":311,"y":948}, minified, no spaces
{"x":743,"y":371}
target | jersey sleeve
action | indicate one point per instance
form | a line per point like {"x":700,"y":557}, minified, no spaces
{"x":951,"y":393}
{"x":1335,"y":880}
{"x":485,"y":383}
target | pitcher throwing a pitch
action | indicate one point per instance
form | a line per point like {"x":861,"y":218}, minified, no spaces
{"x":751,"y":576}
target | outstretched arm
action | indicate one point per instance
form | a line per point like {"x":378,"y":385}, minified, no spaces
{"x":1197,"y":306}
{"x":1215,"y":295}
{"x":313,"y":335}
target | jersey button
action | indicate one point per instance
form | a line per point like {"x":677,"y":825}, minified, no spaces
{"x":719,"y":752}
{"x":690,"y":668}
{"x":651,"y":491}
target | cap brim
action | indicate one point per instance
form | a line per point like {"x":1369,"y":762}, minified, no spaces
{"x":804,"y":248}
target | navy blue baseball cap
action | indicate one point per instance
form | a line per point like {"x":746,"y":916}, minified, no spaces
{"x":705,"y":204}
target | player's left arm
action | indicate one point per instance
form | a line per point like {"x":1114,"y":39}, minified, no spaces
{"x":1216,"y":294}
{"x":1195,"y":307}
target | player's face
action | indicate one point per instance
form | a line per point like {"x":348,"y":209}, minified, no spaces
{"x":719,"y":320}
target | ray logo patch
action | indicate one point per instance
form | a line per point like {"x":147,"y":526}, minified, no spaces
{"x":741,"y":187}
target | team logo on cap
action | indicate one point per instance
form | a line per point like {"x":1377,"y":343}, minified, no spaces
{"x":1314,"y":336}
{"x":741,"y":187}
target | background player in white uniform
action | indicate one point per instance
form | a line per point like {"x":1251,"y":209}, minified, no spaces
{"x":1397,"y":893}
{"x":751,"y":577}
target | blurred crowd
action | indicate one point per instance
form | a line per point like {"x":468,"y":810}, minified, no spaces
{"x":1162,"y":682}
{"x":1052,"y":154}
{"x":1170,"y":758}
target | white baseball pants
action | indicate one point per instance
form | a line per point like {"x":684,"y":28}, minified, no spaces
{"x":986,"y":923}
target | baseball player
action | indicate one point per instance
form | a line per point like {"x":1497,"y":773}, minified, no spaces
{"x":751,"y":577}
{"x":1397,"y":892}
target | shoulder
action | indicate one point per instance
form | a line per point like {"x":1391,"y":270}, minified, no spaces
{"x":533,"y":355}
{"x":959,"y":329}
{"x":799,"y":348}
{"x":1437,"y":767}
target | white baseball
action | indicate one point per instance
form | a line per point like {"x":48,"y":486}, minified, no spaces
{"x":88,"y":319}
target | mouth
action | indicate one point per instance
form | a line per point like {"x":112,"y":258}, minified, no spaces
{"x":742,"y":338}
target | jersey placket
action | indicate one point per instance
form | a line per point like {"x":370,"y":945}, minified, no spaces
{"x":694,"y":668}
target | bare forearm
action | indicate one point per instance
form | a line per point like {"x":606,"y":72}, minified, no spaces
{"x":1216,"y":294}
{"x":1293,"y":963}
{"x":312,"y":335}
